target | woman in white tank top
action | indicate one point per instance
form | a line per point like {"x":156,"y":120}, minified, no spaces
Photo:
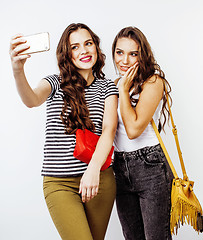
{"x":142,"y":173}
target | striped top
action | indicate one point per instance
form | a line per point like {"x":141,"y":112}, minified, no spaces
{"x":58,"y":148}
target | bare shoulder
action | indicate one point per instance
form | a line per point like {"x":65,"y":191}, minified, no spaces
{"x":155,"y":82}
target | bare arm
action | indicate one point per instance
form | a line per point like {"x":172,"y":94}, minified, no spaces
{"x":108,"y":132}
{"x":30,"y":97}
{"x":136,"y":120}
{"x":90,"y":181}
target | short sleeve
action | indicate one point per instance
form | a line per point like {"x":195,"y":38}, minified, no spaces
{"x":55,"y":84}
{"x":111,"y":89}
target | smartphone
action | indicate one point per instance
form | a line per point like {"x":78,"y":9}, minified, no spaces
{"x":39,"y":42}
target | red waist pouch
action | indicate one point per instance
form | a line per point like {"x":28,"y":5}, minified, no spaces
{"x":86,"y":142}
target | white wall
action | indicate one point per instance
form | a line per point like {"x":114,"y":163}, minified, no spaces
{"x":174,"y":29}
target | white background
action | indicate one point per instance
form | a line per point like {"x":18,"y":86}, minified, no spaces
{"x":174,"y":30}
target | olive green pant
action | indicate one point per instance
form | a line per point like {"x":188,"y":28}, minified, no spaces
{"x":74,"y":219}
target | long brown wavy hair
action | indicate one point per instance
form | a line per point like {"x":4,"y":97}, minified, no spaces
{"x":73,"y":84}
{"x":147,"y":67}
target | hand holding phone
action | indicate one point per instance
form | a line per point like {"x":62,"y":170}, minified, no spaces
{"x":39,"y":42}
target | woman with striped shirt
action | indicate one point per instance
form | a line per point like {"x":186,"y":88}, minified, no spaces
{"x":79,"y":197}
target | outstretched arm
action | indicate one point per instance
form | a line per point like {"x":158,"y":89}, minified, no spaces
{"x":30,"y":97}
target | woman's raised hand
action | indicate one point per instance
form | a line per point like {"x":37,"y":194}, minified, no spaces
{"x":18,"y":45}
{"x":126,"y":81}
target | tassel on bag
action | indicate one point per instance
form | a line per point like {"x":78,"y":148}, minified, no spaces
{"x":185,"y":207}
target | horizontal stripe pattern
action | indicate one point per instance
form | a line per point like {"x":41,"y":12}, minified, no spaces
{"x":58,"y":148}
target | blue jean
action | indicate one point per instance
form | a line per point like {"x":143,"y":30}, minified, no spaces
{"x":143,"y":180}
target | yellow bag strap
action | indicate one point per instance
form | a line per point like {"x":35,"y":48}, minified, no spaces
{"x":174,"y":130}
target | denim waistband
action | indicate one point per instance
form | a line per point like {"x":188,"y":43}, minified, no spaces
{"x":140,"y":152}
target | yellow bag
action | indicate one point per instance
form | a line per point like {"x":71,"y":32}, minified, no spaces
{"x":185,"y":207}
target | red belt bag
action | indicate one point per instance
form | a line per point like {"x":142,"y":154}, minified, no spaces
{"x":86,"y":142}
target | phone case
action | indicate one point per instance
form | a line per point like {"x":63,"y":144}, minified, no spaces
{"x":39,"y":42}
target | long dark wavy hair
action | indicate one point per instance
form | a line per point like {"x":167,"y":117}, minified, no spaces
{"x":147,"y":67}
{"x":73,"y":84}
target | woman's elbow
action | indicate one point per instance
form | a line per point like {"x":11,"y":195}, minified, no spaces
{"x":30,"y":104}
{"x":132,"y":134}
{"x":110,"y":131}
{"x":114,"y":130}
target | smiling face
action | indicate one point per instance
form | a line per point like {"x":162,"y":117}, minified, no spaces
{"x":83,"y":50}
{"x":126,"y":54}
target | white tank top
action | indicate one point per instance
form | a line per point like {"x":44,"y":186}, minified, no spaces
{"x":147,"y":138}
